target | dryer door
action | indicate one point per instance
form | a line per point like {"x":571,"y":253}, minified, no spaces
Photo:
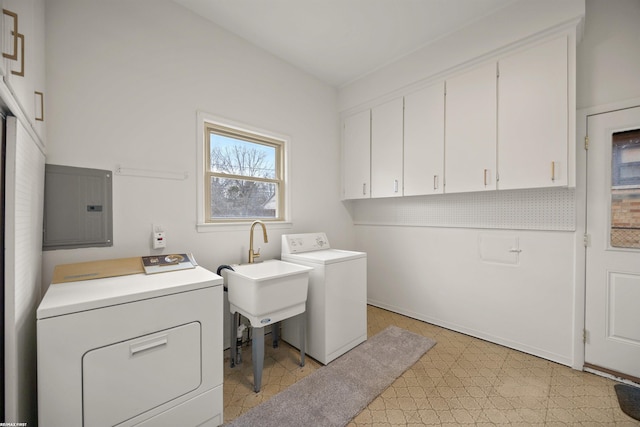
{"x":126,"y":379}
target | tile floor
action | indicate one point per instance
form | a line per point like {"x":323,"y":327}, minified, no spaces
{"x":460,"y":381}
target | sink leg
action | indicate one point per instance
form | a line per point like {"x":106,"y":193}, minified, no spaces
{"x":275,"y":334}
{"x":232,"y":340}
{"x":303,"y":333}
{"x":257,"y":353}
{"x":234,"y":320}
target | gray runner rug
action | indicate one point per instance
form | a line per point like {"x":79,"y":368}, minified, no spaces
{"x":334,"y":394}
{"x":629,"y":399}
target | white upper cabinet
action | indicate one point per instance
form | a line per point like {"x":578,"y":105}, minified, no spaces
{"x":470,"y":144}
{"x":386,"y":149}
{"x":17,"y":43}
{"x":424,"y":141}
{"x":533,"y":116}
{"x":508,"y":123}
{"x":356,"y":156}
{"x":23,"y":44}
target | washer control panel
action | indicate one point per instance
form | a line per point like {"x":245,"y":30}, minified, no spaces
{"x":307,"y":242}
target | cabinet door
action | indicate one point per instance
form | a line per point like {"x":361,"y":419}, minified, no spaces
{"x":533,"y":117}
{"x":356,"y":156}
{"x":37,"y":61}
{"x":470,"y":144}
{"x":23,"y":44}
{"x":3,"y":44}
{"x":18,"y":41}
{"x":424,"y":141}
{"x":386,"y":149}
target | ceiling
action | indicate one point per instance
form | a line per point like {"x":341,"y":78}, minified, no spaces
{"x":339,"y":41}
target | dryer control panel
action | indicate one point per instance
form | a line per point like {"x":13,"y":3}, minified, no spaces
{"x":307,"y":242}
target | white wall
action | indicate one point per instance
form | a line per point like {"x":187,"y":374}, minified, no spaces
{"x":520,"y":19}
{"x":609,"y":57}
{"x":125,"y":79}
{"x":421,"y":266}
{"x":447,"y":260}
{"x":606,"y":80}
{"x":437,"y":275}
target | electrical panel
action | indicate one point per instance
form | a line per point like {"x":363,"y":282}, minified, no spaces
{"x":77,"y":208}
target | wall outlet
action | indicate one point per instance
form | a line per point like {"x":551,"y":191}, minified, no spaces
{"x":159,"y":240}
{"x":158,"y":237}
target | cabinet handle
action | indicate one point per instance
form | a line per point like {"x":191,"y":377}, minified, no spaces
{"x":485,"y":177}
{"x":21,"y":72}
{"x":395,"y":185}
{"x":364,"y":188}
{"x":41,"y":116}
{"x":435,"y":182}
{"x":148,"y":345}
{"x":13,"y":56}
{"x":553,"y":171}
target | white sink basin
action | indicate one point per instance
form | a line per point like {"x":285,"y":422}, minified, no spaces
{"x":269,"y":291}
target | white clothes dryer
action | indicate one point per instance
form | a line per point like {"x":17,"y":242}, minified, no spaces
{"x":337,"y":299}
{"x":135,"y":350}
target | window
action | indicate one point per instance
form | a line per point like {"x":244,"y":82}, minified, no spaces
{"x":625,"y":189}
{"x":626,"y":159}
{"x":243,"y":175}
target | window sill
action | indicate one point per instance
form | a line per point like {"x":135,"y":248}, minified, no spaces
{"x":240,"y":226}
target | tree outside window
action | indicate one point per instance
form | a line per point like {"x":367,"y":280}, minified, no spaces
{"x":244,"y":176}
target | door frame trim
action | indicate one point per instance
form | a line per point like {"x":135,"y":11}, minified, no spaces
{"x":580,"y":272}
{"x":598,"y":370}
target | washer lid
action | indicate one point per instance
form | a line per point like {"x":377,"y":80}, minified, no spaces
{"x":327,"y":256}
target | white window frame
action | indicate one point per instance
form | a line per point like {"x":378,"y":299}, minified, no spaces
{"x":202,"y":225}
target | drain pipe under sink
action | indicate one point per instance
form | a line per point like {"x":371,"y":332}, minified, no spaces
{"x":240,"y":327}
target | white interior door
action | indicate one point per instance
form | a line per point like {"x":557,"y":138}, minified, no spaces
{"x":612,"y":314}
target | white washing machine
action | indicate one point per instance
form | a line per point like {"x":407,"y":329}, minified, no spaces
{"x":135,"y":350}
{"x":337,"y":299}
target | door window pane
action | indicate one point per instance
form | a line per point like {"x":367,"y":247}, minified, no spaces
{"x":625,"y":190}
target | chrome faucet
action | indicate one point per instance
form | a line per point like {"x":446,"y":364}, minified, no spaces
{"x":253,"y":255}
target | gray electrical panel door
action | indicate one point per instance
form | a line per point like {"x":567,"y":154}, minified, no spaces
{"x":77,"y":208}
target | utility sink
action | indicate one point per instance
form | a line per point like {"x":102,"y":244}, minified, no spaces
{"x":269,"y":291}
